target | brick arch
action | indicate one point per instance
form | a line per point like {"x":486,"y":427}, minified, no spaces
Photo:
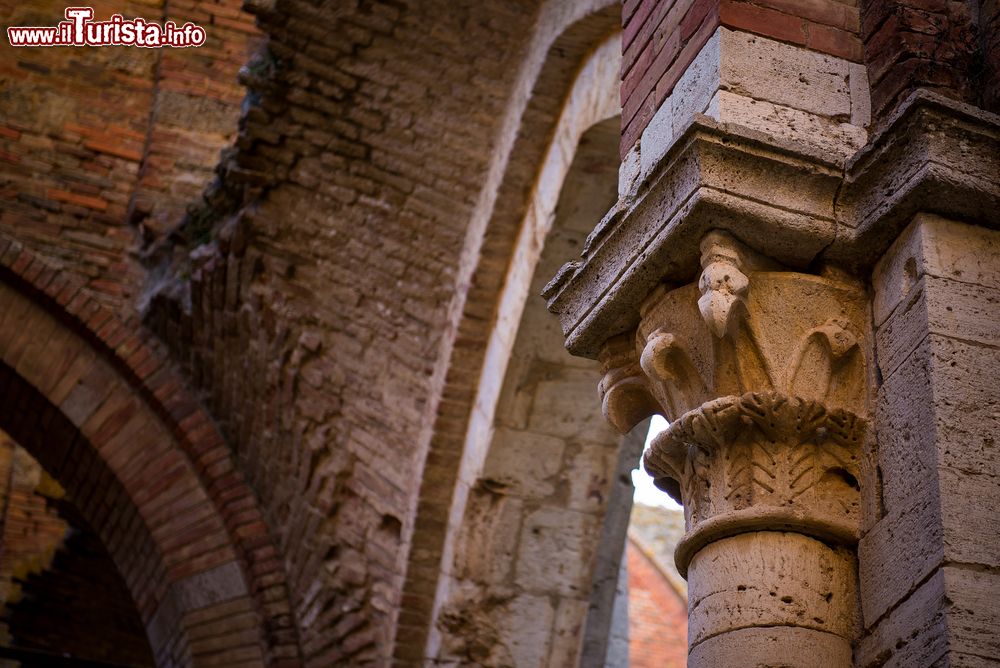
{"x":570,"y":37}
{"x":95,"y":400}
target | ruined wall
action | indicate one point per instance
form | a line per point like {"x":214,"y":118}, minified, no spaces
{"x":371,"y":146}
{"x":102,"y":149}
{"x":317,"y":319}
{"x":547,"y":467}
{"x":333,"y":292}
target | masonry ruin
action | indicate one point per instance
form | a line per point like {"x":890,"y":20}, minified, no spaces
{"x":335,"y":340}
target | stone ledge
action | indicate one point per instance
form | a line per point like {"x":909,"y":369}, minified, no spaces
{"x":793,"y":204}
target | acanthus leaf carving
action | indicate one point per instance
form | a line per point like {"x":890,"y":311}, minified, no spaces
{"x":762,"y":371}
{"x":761,"y":450}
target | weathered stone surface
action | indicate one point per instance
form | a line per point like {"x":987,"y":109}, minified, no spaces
{"x":547,"y":467}
{"x":933,"y":156}
{"x":767,"y":578}
{"x":831,"y":135}
{"x":952,"y":614}
{"x":697,"y":86}
{"x":528,"y":622}
{"x":527,"y":462}
{"x":938,"y":247}
{"x":785,"y":646}
{"x":376,"y":428}
{"x":782,"y":74}
{"x":553,"y":531}
{"x":939,"y":306}
{"x":937,"y":423}
{"x":656,"y":140}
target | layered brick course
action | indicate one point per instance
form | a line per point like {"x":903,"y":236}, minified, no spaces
{"x":661,"y":39}
{"x":30,"y":531}
{"x":317,"y":318}
{"x":102,"y":149}
{"x":336,"y":314}
{"x":61,"y":569}
{"x":933,"y":44}
{"x":657,"y":613}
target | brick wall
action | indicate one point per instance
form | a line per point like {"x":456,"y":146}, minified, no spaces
{"x":364,"y":151}
{"x":30,"y":532}
{"x":911,"y":44}
{"x":662,"y":38}
{"x":318,"y":314}
{"x":101,"y":149}
{"x":53,"y":566}
{"x":657,"y":614}
{"x":97,"y":403}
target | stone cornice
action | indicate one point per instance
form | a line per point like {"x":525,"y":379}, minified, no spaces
{"x":790,"y":203}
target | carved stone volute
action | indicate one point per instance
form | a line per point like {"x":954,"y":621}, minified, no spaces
{"x":761,"y":372}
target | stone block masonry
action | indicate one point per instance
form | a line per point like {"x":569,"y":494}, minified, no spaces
{"x":874,"y":474}
{"x":273,"y":380}
{"x":936,"y":309}
{"x":661,"y":40}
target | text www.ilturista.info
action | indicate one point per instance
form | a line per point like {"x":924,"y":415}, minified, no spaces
{"x":79,"y":30}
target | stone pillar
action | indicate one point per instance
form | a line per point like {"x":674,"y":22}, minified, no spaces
{"x":840,"y":495}
{"x":762,"y":373}
{"x":936,"y":313}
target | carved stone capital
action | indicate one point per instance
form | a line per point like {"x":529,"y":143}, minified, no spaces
{"x":761,"y":461}
{"x":762,"y":374}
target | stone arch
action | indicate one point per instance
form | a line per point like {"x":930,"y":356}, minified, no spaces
{"x":575,"y":89}
{"x":96,"y":402}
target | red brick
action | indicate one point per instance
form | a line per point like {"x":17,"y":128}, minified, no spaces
{"x":762,"y":21}
{"x":635,"y":90}
{"x":827,"y":12}
{"x":95,"y":203}
{"x":656,"y":29}
{"x":835,"y":42}
{"x":22,"y":262}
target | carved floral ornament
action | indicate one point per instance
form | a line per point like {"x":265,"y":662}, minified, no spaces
{"x":762,"y":375}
